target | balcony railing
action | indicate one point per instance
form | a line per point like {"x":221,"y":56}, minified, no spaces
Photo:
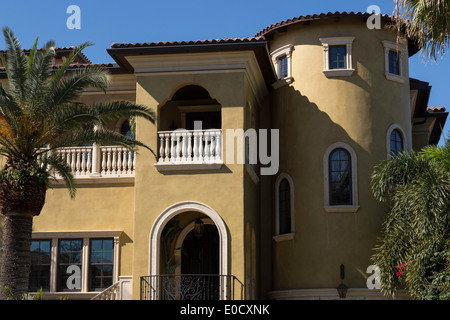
{"x":99,"y":161}
{"x":191,"y":287}
{"x":192,"y":149}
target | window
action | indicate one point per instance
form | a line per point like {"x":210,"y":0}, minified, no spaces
{"x":396,"y":142}
{"x":101,"y":264}
{"x":283,"y":65}
{"x":394,"y":66}
{"x":40,"y":265}
{"x":69,"y":254}
{"x":282,"y":60}
{"x":59,"y":257}
{"x":340,"y":179}
{"x":284,"y":188}
{"x":337,"y":56}
{"x":394,"y":54}
{"x":284,"y":207}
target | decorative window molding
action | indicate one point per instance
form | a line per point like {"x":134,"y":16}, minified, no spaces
{"x":282,"y":61}
{"x":401,"y":51}
{"x":338,"y":41}
{"x":390,"y":130}
{"x":354,"y":206}
{"x":282,"y":236}
{"x":86,"y":237}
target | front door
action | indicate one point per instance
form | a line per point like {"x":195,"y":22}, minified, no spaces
{"x":200,"y":263}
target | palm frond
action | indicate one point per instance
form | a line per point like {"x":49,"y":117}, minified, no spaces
{"x":57,"y":164}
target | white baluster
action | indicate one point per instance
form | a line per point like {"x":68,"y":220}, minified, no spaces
{"x":218,"y":145}
{"x":134,"y":161}
{"x":189,"y":147}
{"x":212,"y":146}
{"x":195,"y":149}
{"x":201,"y":151}
{"x":103,"y":151}
{"x":108,"y":161}
{"x":161,"y":147}
{"x":183,"y":146}
{"x":113,"y":160}
{"x":207,"y":149}
{"x":129,"y":163}
{"x":178,"y":156}
{"x":167,"y":137}
{"x":89,"y":161}
{"x":83,"y":161}
{"x":172,"y":148}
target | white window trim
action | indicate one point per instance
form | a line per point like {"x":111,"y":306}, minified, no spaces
{"x":401,"y":49}
{"x":55,"y":236}
{"x":393,"y":127}
{"x":285,"y":236}
{"x":354,"y":162}
{"x":278,"y":53}
{"x":348,"y":42}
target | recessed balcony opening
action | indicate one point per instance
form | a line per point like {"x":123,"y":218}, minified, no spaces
{"x":190,"y":131}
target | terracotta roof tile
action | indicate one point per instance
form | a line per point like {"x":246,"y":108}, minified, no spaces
{"x":180,"y":43}
{"x":305,"y":18}
{"x":436,"y":109}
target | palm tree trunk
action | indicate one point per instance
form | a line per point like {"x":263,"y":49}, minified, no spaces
{"x":16,"y":261}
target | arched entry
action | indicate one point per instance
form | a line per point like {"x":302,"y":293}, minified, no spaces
{"x":179,"y":208}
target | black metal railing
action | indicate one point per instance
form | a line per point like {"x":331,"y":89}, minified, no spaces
{"x":191,"y":287}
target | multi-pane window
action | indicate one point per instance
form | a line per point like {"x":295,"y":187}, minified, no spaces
{"x":338,"y":56}
{"x":396,"y":142}
{"x":101,"y":264}
{"x":40,"y":265}
{"x":283,"y":65}
{"x":394,"y":66}
{"x":284,"y":207}
{"x":69,"y":254}
{"x":340,"y":179}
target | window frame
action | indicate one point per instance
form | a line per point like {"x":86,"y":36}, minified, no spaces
{"x":354,"y":206}
{"x":86,"y":236}
{"x":391,"y":129}
{"x":401,"y":51}
{"x":42,"y":264}
{"x":284,"y":51}
{"x":338,"y":41}
{"x":289,"y":235}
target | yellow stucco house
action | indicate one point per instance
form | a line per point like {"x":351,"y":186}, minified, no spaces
{"x":260,"y":188}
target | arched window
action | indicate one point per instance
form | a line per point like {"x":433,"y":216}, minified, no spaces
{"x":284,"y":189}
{"x":125,"y":129}
{"x":396,"y":142}
{"x":340,"y":177}
{"x":284,"y":207}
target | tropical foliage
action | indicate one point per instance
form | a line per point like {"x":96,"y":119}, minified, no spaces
{"x":39,"y":107}
{"x":427,"y":21}
{"x":413,"y":251}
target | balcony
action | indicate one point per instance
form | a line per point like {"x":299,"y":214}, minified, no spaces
{"x":190,"y":150}
{"x":99,"y":164}
{"x":191,"y":287}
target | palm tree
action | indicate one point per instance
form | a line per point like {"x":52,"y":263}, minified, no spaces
{"x":414,"y":248}
{"x":38,"y":108}
{"x":427,"y":21}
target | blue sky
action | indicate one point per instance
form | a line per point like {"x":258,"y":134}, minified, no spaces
{"x":106,"y":21}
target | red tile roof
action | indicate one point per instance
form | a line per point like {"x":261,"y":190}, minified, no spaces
{"x":436,"y":109}
{"x":187,"y":43}
{"x":320,"y":16}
